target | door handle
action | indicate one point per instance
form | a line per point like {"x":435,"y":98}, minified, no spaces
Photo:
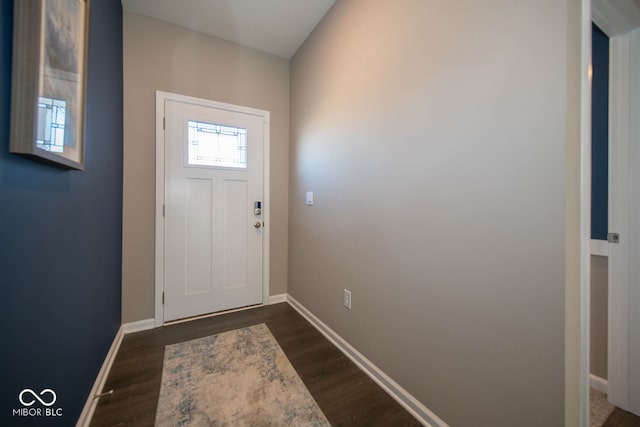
{"x":258,"y":224}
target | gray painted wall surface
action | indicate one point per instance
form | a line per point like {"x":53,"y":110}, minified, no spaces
{"x":599,"y":312}
{"x":436,"y":149}
{"x":162,"y":56}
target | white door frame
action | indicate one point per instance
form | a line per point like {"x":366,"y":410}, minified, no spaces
{"x":161,"y":98}
{"x":579,"y":346}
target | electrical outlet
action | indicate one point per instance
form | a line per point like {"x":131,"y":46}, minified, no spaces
{"x":347,"y":299}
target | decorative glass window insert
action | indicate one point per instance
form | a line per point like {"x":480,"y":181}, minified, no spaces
{"x":51,"y":120}
{"x":217,"y":145}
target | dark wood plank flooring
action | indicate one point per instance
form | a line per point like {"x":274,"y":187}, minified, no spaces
{"x":345,"y":394}
{"x":620,"y":418}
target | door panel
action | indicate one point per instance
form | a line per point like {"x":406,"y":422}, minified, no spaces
{"x":624,"y":218}
{"x":198,"y":237}
{"x":235,"y":234}
{"x":213,"y":175}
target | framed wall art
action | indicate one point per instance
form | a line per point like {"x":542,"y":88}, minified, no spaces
{"x":49,"y":79}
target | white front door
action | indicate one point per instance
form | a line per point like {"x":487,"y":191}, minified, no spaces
{"x":213,"y":232}
{"x":623,"y":372}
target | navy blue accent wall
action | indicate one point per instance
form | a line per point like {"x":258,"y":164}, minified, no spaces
{"x":60,"y":240}
{"x":600,"y":135}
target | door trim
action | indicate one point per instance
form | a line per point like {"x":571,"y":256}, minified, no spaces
{"x":161,"y":98}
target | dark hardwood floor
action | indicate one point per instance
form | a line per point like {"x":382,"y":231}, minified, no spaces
{"x":345,"y":394}
{"x":620,"y":418}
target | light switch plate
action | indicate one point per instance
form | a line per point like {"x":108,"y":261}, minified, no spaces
{"x":309,"y":198}
{"x":347,"y":299}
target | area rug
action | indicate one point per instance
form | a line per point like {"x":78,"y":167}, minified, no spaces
{"x":236,"y":378}
{"x":599,"y":408}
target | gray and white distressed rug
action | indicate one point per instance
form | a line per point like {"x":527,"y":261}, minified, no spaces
{"x":236,"y":378}
{"x":599,"y":408}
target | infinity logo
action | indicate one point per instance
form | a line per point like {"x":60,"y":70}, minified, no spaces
{"x":37,"y":397}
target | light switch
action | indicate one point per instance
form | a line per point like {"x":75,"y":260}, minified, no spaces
{"x":309,"y":198}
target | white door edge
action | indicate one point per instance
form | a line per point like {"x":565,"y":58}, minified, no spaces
{"x":161,"y":98}
{"x":610,"y":18}
{"x":618,"y":279}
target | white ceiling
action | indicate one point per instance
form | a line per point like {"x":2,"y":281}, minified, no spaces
{"x":278,"y":27}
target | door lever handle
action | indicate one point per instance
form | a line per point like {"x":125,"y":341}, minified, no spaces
{"x":258,"y":224}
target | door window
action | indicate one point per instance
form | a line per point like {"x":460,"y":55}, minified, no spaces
{"x":216,"y":145}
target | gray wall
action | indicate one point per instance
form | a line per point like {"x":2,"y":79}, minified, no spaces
{"x":599,"y":312}
{"x":436,"y":147}
{"x":162,"y":56}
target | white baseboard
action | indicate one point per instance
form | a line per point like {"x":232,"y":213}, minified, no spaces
{"x":395,"y":390}
{"x":599,"y":384}
{"x":92,"y":402}
{"x":90,"y":405}
{"x":140,"y":325}
{"x":277,"y":299}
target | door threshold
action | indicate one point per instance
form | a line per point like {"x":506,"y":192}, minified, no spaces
{"x":216,"y":313}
